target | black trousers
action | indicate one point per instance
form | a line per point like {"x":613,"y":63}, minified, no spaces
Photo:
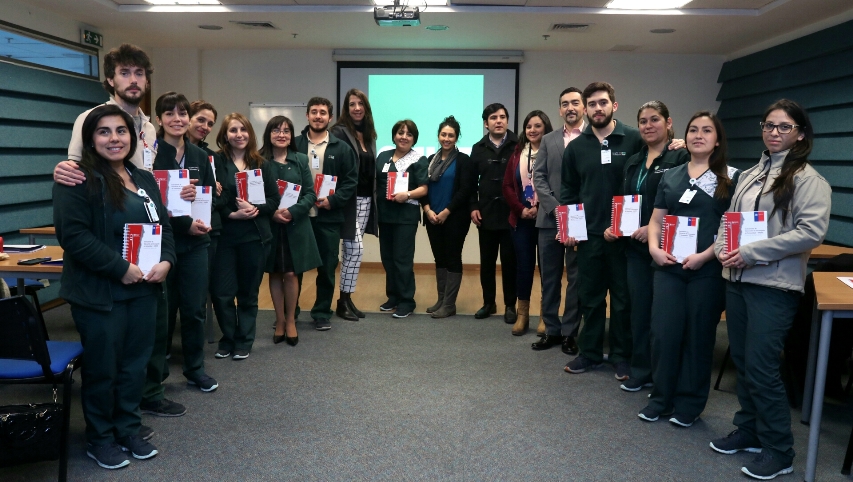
{"x":397,"y":250}
{"x":446,"y":241}
{"x":641,"y":278}
{"x":188,"y":281}
{"x":239,"y":270}
{"x":493,"y":241}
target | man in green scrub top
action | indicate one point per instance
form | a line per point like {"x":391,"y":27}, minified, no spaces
{"x":330,"y":156}
{"x":592,"y":174}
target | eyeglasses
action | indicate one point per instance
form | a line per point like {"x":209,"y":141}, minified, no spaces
{"x":782,"y":128}
{"x":276,"y":132}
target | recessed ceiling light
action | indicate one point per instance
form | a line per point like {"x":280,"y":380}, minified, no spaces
{"x":210,"y":27}
{"x":662,"y":30}
{"x":437,"y":27}
{"x":647,"y":4}
{"x":413,"y":3}
{"x":184,"y":2}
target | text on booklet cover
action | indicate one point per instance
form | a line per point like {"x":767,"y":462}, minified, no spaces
{"x":203,"y":203}
{"x":250,"y":186}
{"x":142,"y":244}
{"x":289,"y":192}
{"x":679,"y":235}
{"x":397,"y":182}
{"x":625,"y":218}
{"x":571,"y":222}
{"x":742,"y":228}
{"x":171,"y":182}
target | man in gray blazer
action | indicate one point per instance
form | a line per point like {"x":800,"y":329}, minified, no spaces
{"x":546,"y":181}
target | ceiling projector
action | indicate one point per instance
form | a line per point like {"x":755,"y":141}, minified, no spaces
{"x":397,"y":16}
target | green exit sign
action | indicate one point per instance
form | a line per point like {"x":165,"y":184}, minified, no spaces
{"x":93,"y":38}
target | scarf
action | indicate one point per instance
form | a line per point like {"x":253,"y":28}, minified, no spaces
{"x":439,"y":165}
{"x":528,"y":159}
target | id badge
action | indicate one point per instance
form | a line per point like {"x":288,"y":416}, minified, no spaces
{"x":315,"y":163}
{"x":605,"y":156}
{"x":687,"y":196}
{"x":386,"y":167}
{"x":147,"y":159}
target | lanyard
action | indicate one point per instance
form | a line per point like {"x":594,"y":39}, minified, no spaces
{"x":644,"y":172}
{"x":150,"y":207}
{"x":530,"y":165}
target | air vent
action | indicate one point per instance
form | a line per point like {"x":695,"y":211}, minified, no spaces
{"x":624,"y":48}
{"x":255,"y":24}
{"x":570,"y":27}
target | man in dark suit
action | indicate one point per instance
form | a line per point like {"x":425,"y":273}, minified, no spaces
{"x":552,"y":253}
{"x":490,"y":212}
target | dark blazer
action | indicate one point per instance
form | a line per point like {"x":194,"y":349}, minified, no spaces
{"x":461,"y":190}
{"x":488,"y":165}
{"x":300,"y":235}
{"x":198,"y":165}
{"x":83,"y":220}
{"x":338,"y":160}
{"x":340,"y":131}
{"x":546,"y":177}
{"x":237,"y":231}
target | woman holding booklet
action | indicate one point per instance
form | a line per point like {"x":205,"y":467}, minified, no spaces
{"x":517,"y":189}
{"x":764,"y":282}
{"x":643,"y":172}
{"x":689,"y":293}
{"x":401,"y":179}
{"x":250,"y":198}
{"x":446,"y":215}
{"x":178,"y":163}
{"x":294,"y":249}
{"x":113,"y":300}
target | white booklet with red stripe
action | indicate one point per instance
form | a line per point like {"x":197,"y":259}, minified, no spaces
{"x":250,"y":186}
{"x":171,"y":182}
{"x":202,"y":207}
{"x":679,"y":236}
{"x":142,"y":244}
{"x":397,"y":182}
{"x":625,"y":215}
{"x":289,"y":192}
{"x":571,"y":222}
{"x":324,"y":185}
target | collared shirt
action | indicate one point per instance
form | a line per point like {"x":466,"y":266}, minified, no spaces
{"x":570,"y":136}
{"x":316,"y":153}
{"x":503,"y":139}
{"x":146,"y":136}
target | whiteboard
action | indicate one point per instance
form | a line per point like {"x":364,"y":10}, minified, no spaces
{"x":260,"y":113}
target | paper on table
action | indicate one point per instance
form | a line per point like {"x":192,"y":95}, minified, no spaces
{"x":848,"y":280}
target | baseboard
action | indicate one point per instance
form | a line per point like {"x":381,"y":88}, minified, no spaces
{"x":425,"y":267}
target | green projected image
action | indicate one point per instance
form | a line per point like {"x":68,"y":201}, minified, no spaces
{"x":427,"y":100}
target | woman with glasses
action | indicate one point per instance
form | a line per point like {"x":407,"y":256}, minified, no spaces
{"x":294,"y":249}
{"x":113,"y":303}
{"x":245,"y":241}
{"x":355,"y":127}
{"x":764,"y":282}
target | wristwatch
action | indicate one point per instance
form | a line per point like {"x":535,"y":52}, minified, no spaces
{"x":408,"y":194}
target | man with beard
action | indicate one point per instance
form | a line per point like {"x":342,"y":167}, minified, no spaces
{"x":127,"y":72}
{"x":552,"y":254}
{"x":330,"y":156}
{"x":592,"y":175}
{"x":490,"y":212}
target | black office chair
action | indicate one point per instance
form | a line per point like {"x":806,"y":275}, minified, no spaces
{"x":31,"y":288}
{"x":27,"y":357}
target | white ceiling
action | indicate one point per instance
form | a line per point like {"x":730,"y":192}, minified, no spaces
{"x":718,"y":27}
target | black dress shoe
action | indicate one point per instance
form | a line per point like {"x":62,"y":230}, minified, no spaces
{"x":546,"y":342}
{"x":353,"y":309}
{"x":510,"y":315}
{"x":486,"y":310}
{"x":344,"y":312}
{"x":291,"y":341}
{"x":276,"y":339}
{"x":570,"y":346}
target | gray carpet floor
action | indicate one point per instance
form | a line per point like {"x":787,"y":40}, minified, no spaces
{"x":419,"y":399}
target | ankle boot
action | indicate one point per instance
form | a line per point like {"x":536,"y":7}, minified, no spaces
{"x":343,"y":310}
{"x":441,"y":284}
{"x":347,"y":297}
{"x":522,"y":320}
{"x":448,"y":308}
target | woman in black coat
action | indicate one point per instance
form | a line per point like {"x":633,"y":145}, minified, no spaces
{"x":446,"y":217}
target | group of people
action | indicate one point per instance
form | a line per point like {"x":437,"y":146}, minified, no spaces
{"x":663,"y":313}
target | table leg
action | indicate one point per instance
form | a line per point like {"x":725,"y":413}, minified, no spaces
{"x":21,"y":287}
{"x":810,"y":366}
{"x":817,"y":401}
{"x":32,"y":239}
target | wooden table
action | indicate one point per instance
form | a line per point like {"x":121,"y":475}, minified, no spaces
{"x":834,"y":299}
{"x":9,"y":268}
{"x":824,"y":251}
{"x":49,"y":231}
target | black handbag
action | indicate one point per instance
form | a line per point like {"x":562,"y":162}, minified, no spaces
{"x":30,"y":433}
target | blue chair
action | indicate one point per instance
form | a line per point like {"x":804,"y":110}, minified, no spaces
{"x":27,"y":357}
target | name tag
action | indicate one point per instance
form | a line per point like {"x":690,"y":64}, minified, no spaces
{"x":315,"y":163}
{"x":687,"y":196}
{"x":147,"y":159}
{"x":386,"y":167}
{"x":605,"y":156}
